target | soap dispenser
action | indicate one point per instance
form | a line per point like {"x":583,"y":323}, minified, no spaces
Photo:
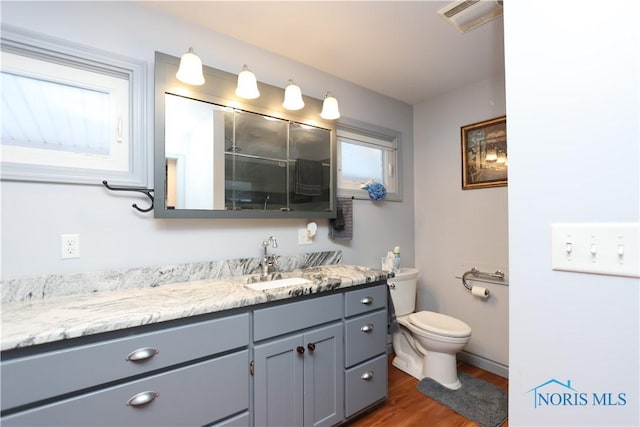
{"x":396,"y":259}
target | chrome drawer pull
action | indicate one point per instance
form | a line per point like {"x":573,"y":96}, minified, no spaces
{"x":367,"y":328}
{"x":143,"y":398}
{"x":141,"y":354}
{"x":367,"y":376}
{"x":366,"y":300}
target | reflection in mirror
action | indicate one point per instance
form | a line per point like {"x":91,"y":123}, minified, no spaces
{"x":257,"y":164}
{"x":217,"y":156}
{"x":310,"y":180}
{"x":194,"y":150}
{"x":222,"y":158}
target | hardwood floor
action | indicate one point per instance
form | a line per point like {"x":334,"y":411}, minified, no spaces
{"x":407,"y":407}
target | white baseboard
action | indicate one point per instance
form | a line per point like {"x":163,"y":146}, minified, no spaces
{"x":484,"y":363}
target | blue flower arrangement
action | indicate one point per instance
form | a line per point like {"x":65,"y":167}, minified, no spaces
{"x":375,"y":189}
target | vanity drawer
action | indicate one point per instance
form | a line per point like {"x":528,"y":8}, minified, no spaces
{"x":365,"y":384}
{"x":32,"y":378}
{"x":364,"y":300}
{"x":294,"y":316}
{"x":241,"y":420}
{"x":365,"y":337}
{"x":198,"y":394}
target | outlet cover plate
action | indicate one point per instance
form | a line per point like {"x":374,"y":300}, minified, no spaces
{"x":69,"y":246}
{"x":303,"y":237}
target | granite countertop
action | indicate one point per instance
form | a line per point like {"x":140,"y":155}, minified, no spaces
{"x":28,"y":323}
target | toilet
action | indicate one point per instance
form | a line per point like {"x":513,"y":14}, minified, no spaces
{"x":427,"y":342}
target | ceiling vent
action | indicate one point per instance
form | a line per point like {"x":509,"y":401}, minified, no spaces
{"x":466,"y":15}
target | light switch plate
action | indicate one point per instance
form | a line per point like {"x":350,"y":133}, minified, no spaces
{"x":598,"y":248}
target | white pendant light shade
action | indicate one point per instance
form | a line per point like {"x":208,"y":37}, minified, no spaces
{"x":330,"y":109}
{"x":190,"y":70}
{"x":292,"y":97}
{"x":247,"y":84}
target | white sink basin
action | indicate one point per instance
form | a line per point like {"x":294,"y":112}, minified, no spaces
{"x":280,"y":283}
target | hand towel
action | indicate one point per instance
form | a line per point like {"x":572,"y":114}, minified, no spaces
{"x":308,"y":177}
{"x":341,"y":228}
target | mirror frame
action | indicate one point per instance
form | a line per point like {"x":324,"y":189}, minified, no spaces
{"x":219,"y":88}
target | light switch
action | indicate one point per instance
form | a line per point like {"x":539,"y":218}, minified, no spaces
{"x":599,"y":248}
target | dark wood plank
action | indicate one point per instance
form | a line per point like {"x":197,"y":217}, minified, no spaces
{"x":407,"y":407}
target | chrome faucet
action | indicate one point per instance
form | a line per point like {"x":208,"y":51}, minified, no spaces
{"x":269,"y":262}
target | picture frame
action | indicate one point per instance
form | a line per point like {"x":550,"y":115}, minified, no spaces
{"x":484,"y":154}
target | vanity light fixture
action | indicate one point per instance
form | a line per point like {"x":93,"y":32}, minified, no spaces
{"x":247,"y":84}
{"x":330,"y":109}
{"x":293,"y":97}
{"x":190,"y":70}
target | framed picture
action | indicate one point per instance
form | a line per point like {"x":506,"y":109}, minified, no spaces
{"x":484,"y":154}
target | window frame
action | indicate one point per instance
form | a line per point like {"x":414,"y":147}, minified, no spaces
{"x":371,"y":135}
{"x":134,"y":72}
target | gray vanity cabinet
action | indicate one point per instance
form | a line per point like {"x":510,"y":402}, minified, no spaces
{"x":316,"y":361}
{"x":365,"y":348}
{"x":193,"y":374}
{"x":298,"y":378}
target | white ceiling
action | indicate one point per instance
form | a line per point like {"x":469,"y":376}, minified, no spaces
{"x":402,"y":49}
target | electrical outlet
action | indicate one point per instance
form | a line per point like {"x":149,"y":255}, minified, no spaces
{"x":69,"y":246}
{"x":303,"y":237}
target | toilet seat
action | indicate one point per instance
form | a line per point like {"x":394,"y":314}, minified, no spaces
{"x":440,"y":324}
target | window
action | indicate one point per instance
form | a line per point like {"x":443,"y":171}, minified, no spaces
{"x":70,"y":114}
{"x":365,"y":153}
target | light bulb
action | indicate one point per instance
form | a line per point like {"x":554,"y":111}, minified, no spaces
{"x":190,"y":70}
{"x":247,"y":84}
{"x":293,"y":97}
{"x":330,"y":110}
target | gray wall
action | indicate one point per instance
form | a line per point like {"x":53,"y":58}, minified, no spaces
{"x":573,"y":122}
{"x":112,"y":234}
{"x":456,"y":229}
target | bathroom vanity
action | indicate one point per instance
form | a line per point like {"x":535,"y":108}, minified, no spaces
{"x":287,"y":356}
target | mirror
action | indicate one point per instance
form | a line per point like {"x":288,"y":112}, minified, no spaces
{"x":217,"y":155}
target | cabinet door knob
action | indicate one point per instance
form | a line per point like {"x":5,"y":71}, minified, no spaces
{"x":141,"y":354}
{"x":142,"y":399}
{"x":367,"y":328}
{"x":311,"y":346}
{"x":367,"y":376}
{"x":366,"y":300}
{"x":300,"y":349}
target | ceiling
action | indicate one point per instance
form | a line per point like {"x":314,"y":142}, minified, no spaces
{"x":401,"y":49}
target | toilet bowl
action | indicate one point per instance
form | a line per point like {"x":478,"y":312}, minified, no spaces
{"x":427,"y":342}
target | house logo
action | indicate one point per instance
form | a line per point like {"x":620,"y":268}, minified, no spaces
{"x":554,"y":393}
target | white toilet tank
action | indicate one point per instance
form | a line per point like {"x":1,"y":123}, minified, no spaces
{"x":403,"y":290}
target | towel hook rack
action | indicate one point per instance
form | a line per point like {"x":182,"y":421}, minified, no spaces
{"x":498,"y":275}
{"x":146,"y":191}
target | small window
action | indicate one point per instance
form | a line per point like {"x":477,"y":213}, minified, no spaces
{"x":367,"y":153}
{"x":70,"y":114}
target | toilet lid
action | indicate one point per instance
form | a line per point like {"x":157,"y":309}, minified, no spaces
{"x":440,"y":324}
